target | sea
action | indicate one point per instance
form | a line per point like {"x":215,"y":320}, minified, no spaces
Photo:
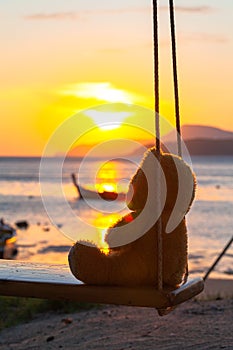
{"x":46,"y":198}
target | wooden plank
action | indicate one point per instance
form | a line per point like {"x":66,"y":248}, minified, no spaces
{"x":144,"y":297}
{"x":56,"y":282}
{"x":36,"y":272}
{"x":186,"y":291}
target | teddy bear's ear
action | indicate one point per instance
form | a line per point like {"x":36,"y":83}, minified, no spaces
{"x":143,"y":181}
{"x":185,"y":195}
{"x":137,"y":193}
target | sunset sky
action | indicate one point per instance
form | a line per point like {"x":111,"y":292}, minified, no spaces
{"x":60,"y":57}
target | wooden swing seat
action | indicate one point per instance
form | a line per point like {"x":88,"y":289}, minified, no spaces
{"x":45,"y":281}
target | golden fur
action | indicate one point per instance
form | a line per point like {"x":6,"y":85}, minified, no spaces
{"x":135,"y":263}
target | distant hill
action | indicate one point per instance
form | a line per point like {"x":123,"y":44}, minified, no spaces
{"x":199,"y":140}
{"x":190,"y":132}
{"x":196,"y":147}
{"x":204,"y":140}
{"x":113,"y":148}
{"x":207,"y":147}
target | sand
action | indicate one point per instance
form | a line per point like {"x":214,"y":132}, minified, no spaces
{"x":196,"y":324}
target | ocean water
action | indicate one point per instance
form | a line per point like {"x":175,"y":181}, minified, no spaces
{"x":210,"y":219}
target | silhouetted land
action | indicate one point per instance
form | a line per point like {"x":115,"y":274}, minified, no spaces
{"x":210,"y":147}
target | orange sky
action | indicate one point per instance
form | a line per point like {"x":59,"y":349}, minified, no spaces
{"x":59,"y":58}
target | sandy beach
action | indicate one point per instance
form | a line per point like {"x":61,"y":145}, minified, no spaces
{"x":203,"y":323}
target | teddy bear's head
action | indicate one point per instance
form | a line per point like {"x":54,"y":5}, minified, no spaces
{"x":175,"y":180}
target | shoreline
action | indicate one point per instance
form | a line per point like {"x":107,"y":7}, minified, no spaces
{"x":217,"y":288}
{"x":52,"y":247}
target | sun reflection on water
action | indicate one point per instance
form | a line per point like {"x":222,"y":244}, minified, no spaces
{"x":102,"y":223}
{"x":106,"y":178}
{"x":98,"y":212}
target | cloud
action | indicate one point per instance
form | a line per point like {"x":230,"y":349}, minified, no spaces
{"x":102,"y":91}
{"x":122,"y":10}
{"x":184,"y":9}
{"x":52,"y":16}
{"x":192,"y":9}
{"x":72,"y":15}
{"x":207,"y":38}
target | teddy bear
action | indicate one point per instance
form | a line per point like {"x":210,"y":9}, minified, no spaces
{"x":162,"y":190}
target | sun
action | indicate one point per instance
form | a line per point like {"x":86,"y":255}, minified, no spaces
{"x":104,"y":92}
{"x":107,"y":120}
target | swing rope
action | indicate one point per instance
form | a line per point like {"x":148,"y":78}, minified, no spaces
{"x":176,"y":93}
{"x":158,"y":142}
{"x":157,"y":118}
{"x":175,"y":75}
{"x":156,"y":74}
